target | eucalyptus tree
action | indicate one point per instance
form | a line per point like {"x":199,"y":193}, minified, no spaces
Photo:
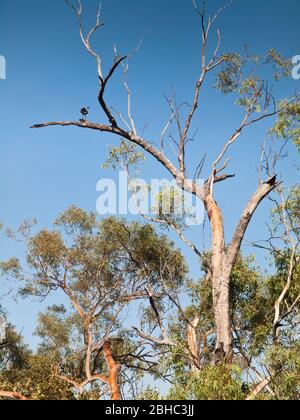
{"x":244,"y":76}
{"x":102,"y":274}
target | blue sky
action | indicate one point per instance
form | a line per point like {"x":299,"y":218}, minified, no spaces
{"x":50,"y":77}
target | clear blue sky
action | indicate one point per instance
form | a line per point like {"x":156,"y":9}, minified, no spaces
{"x":50,"y":77}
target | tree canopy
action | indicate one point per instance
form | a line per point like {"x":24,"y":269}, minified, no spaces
{"x":122,"y":308}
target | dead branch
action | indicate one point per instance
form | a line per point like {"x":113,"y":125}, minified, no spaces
{"x":87,"y":39}
{"x":164,"y":342}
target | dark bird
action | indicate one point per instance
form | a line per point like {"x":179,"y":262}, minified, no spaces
{"x":84,"y":112}
{"x":272,"y":180}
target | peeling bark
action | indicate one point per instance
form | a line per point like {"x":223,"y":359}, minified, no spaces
{"x":113,"y":372}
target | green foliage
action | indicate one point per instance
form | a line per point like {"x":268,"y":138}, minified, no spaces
{"x":287,"y":126}
{"x":55,"y":328}
{"x":80,"y":247}
{"x":229,"y":78}
{"x":27,"y":373}
{"x":150,"y":394}
{"x":235,"y":67}
{"x":125,"y":155}
{"x":12,"y":268}
{"x":101,"y":267}
{"x":251,"y":317}
{"x":282,"y":66}
{"x":293,"y":206}
{"x":284,"y":362}
{"x":252,"y":302}
{"x":277,"y":281}
{"x":99,"y":270}
{"x":76,"y":221}
{"x":13,"y":352}
{"x":212,"y":383}
{"x":35,"y":381}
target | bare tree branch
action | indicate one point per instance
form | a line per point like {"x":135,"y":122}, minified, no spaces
{"x":87,"y":40}
{"x":164,"y":342}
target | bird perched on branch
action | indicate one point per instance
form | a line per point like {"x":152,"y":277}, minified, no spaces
{"x":84,"y":112}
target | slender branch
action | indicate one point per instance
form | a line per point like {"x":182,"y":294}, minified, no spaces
{"x":87,"y":40}
{"x":177,"y":230}
{"x":165,"y":342}
{"x":272,"y":114}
